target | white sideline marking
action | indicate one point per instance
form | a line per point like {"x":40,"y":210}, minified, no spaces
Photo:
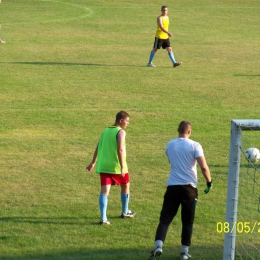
{"x":90,"y":12}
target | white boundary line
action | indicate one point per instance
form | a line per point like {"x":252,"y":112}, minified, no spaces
{"x":90,"y":12}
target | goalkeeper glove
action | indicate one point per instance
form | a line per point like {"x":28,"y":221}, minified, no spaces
{"x":209,"y":187}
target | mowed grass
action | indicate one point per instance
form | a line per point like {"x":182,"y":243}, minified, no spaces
{"x":66,"y":69}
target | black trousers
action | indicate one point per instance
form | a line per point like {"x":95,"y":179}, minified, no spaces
{"x":176,"y":195}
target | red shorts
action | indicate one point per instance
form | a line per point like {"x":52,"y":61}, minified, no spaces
{"x":113,"y":179}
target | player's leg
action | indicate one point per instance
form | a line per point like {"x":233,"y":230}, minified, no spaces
{"x":125,"y":197}
{"x":152,"y":53}
{"x":103,"y":202}
{"x":170,"y":207}
{"x":106,"y":182}
{"x":187,"y":216}
{"x":150,"y":62}
{"x":171,"y":55}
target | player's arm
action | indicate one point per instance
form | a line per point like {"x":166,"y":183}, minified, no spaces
{"x":205,"y":171}
{"x":91,"y":166}
{"x":204,"y":168}
{"x":120,"y":150}
{"x":159,"y":21}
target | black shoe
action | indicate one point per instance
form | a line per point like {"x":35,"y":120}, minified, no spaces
{"x":176,"y":64}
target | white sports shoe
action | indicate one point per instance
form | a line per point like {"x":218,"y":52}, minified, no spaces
{"x":155,"y":253}
{"x":151,"y":65}
{"x":106,"y":222}
{"x":129,"y":214}
{"x":185,"y":255}
{"x":1,"y":41}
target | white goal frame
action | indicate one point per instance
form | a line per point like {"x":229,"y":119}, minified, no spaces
{"x":237,"y":125}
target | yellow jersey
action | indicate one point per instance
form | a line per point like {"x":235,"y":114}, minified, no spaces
{"x":165,"y":23}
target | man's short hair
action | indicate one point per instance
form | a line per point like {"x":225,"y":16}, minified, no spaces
{"x":121,"y":115}
{"x":164,"y":6}
{"x":184,"y":126}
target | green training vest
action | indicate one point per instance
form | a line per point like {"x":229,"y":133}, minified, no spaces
{"x":108,"y":161}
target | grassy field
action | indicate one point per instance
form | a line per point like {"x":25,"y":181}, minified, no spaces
{"x":66,"y":69}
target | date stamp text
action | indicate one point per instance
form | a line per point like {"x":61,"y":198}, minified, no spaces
{"x":240,"y":227}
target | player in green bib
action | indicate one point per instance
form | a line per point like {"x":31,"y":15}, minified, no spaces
{"x":107,"y":152}
{"x":110,"y":160}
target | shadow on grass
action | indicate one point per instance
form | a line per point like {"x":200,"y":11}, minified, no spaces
{"x":141,"y":250}
{"x":51,"y":220}
{"x":219,"y":169}
{"x":119,"y":254}
{"x":246,"y":75}
{"x":50,"y":63}
{"x":56,"y":220}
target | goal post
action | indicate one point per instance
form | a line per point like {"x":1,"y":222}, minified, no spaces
{"x":237,"y":128}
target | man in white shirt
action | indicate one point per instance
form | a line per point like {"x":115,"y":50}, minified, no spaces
{"x":183,"y":155}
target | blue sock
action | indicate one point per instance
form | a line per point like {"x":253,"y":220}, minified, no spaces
{"x":172,"y":57}
{"x":151,"y":57}
{"x":125,"y":201}
{"x":103,"y":200}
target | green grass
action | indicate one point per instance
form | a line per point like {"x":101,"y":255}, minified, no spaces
{"x":66,"y":69}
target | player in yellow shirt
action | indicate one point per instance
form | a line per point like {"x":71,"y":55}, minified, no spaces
{"x":162,"y":38}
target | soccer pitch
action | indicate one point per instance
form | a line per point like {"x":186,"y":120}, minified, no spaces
{"x":66,"y":69}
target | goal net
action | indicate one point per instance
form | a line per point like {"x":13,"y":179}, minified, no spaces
{"x":242,"y":226}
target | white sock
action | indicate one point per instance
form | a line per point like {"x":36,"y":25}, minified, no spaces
{"x":184,"y":249}
{"x":158,"y":243}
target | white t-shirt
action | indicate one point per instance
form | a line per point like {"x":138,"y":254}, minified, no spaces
{"x":182,"y":154}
